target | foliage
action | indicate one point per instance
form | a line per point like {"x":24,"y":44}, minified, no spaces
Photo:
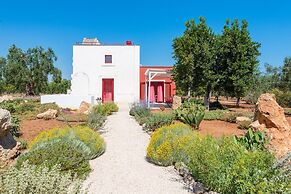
{"x":110,"y":107}
{"x":231,"y":116}
{"x":286,"y":75}
{"x":28,"y":71}
{"x":157,"y":120}
{"x":283,"y":98}
{"x":27,"y":108}
{"x":140,"y":112}
{"x":160,"y":149}
{"x":95,"y":120}
{"x":206,"y":62}
{"x":245,"y":125}
{"x":15,"y":124}
{"x":38,"y":180}
{"x":284,"y":165}
{"x":214,"y":114}
{"x":237,"y":59}
{"x":76,"y":117}
{"x":223,"y":165}
{"x":58,"y":87}
{"x":195,"y":55}
{"x":69,"y":153}
{"x":89,"y":137}
{"x":191,"y":114}
{"x":23,"y":143}
{"x":252,"y":140}
{"x":105,"y":109}
{"x":138,"y":109}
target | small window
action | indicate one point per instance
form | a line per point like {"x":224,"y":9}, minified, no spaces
{"x":108,"y":58}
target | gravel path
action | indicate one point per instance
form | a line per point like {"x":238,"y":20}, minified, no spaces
{"x":123,"y":167}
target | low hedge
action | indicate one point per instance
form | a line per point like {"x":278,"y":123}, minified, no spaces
{"x":38,"y":180}
{"x":156,"y":120}
{"x":223,"y":165}
{"x":69,"y":153}
{"x":88,"y":136}
{"x":160,"y":150}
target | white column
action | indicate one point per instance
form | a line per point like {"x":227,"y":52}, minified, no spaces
{"x":149,"y":92}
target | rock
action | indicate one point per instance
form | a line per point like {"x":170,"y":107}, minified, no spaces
{"x":270,"y":118}
{"x":257,"y":126}
{"x":49,"y":114}
{"x":84,"y":107}
{"x":9,"y":148}
{"x":242,"y":119}
{"x":6,"y":98}
{"x":5,"y":122}
{"x":177,"y":102}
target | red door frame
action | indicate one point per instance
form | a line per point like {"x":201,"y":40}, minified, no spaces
{"x":112,"y":86}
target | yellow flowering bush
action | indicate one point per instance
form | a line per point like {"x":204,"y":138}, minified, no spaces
{"x":160,"y":150}
{"x":88,"y":136}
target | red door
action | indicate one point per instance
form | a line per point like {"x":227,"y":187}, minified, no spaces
{"x":107,"y":90}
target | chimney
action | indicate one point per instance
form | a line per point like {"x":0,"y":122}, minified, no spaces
{"x":128,"y":42}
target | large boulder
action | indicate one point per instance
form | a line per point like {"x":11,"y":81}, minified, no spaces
{"x":177,"y":102}
{"x":49,"y":114}
{"x":84,"y":107}
{"x":9,"y":148}
{"x":270,"y":118}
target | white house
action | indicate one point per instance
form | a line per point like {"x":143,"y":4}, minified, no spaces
{"x":102,"y":73}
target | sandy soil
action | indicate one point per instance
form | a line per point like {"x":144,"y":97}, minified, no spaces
{"x":31,"y":128}
{"x":219,"y":128}
{"x":123,"y":167}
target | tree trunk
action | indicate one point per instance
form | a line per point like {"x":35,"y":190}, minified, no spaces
{"x":207,"y":98}
{"x":189,"y":93}
{"x":29,"y":89}
{"x":237,"y":101}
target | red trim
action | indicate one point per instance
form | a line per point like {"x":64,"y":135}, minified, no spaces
{"x":112,"y":86}
{"x":158,"y":66}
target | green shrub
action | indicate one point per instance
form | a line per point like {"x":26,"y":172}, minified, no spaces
{"x":252,"y":140}
{"x":105,"y":109}
{"x":157,"y":120}
{"x":214,"y":114}
{"x":231,"y":116}
{"x":23,"y":143}
{"x":191,"y":114}
{"x":110,"y":107}
{"x":38,"y":180}
{"x":15,"y":124}
{"x":226,"y":167}
{"x":283,"y":98}
{"x":77,"y":117}
{"x":69,"y":153}
{"x":88,"y":136}
{"x":95,"y":120}
{"x":139,"y":110}
{"x":160,"y":149}
{"x":223,"y":165}
{"x":244,"y":125}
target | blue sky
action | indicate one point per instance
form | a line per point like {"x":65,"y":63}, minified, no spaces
{"x":151,"y":24}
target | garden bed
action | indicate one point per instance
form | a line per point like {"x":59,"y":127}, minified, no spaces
{"x":31,"y":128}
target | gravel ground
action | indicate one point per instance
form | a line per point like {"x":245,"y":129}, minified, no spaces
{"x":123,"y":167}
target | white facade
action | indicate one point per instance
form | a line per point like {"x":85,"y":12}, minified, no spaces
{"x":89,"y":69}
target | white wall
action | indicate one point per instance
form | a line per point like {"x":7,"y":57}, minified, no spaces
{"x":67,"y":100}
{"x":89,"y":68}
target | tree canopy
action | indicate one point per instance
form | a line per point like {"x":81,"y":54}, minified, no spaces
{"x":195,"y":54}
{"x":29,"y":71}
{"x":207,"y":62}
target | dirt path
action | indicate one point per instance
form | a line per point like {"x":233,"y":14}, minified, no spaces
{"x":123,"y":168}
